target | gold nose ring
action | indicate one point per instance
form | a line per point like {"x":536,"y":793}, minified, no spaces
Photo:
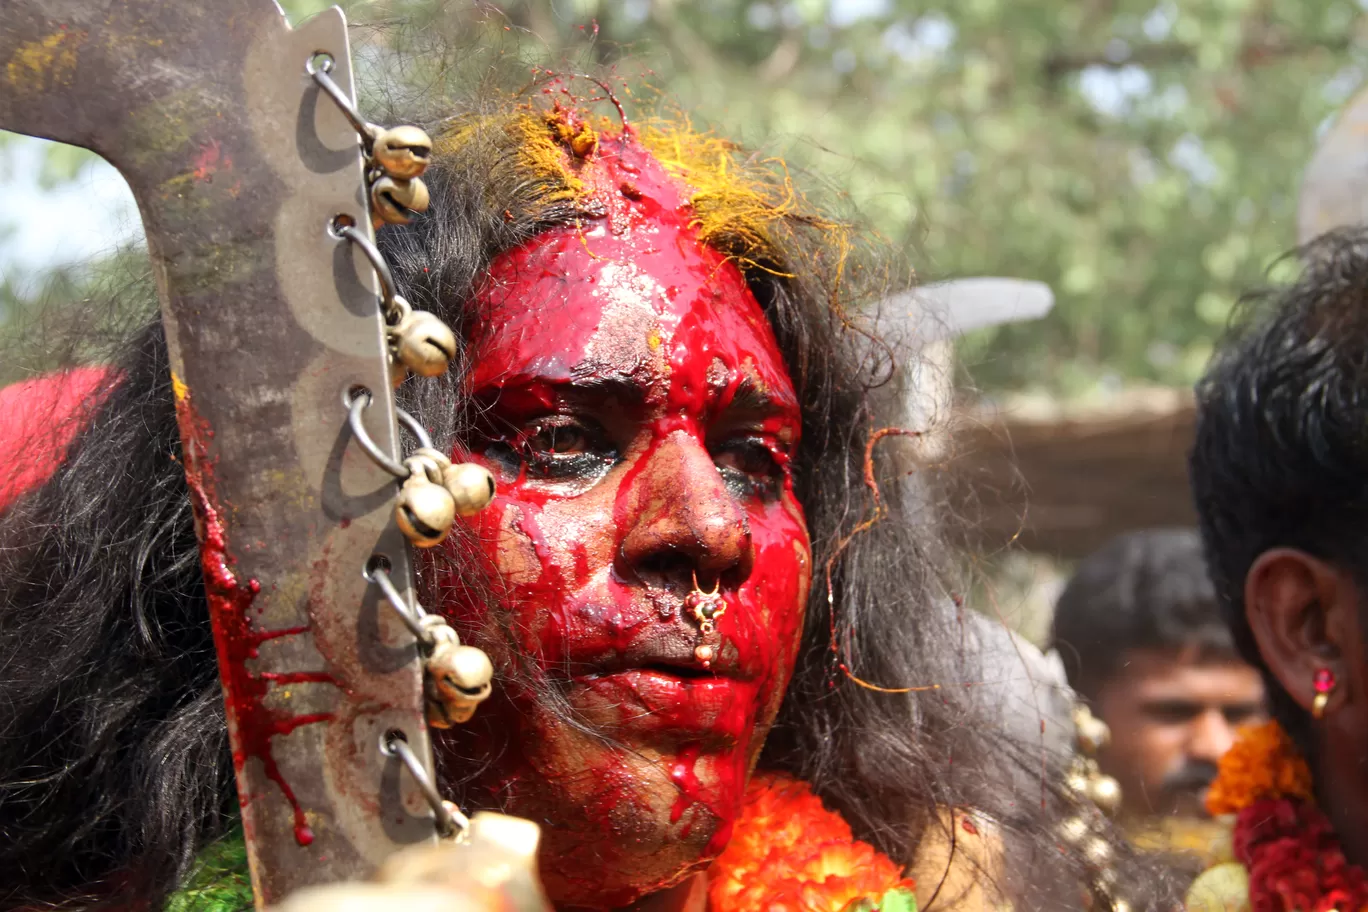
{"x":706,"y":607}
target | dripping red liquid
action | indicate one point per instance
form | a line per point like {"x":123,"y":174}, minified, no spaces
{"x":252,"y":722}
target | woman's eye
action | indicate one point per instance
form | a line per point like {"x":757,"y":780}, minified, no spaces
{"x":565,"y":447}
{"x":558,"y":439}
{"x":750,"y":457}
{"x":751,"y":465}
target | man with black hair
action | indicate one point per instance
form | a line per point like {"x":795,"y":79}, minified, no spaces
{"x":1279,"y":472}
{"x":1143,"y":642}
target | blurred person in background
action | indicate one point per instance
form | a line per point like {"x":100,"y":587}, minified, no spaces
{"x":1144,"y":645}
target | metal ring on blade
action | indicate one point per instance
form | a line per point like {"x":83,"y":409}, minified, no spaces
{"x":380,"y":577}
{"x":319,"y":72}
{"x":450,"y":820}
{"x":382,"y":271}
{"x":355,"y":409}
{"x":413,"y":427}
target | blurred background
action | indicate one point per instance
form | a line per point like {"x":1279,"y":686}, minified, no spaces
{"x":1141,"y":157}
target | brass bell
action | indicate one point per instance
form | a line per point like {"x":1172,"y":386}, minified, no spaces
{"x":457,"y":680}
{"x":397,"y":201}
{"x":471,"y":485}
{"x":1105,"y":792}
{"x":1093,"y":733}
{"x":402,"y":152}
{"x":1098,"y":851}
{"x":398,"y":373}
{"x":423,"y":343}
{"x":1074,"y":830}
{"x":425,"y":510}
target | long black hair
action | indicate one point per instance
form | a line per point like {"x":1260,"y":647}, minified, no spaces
{"x":114,"y":764}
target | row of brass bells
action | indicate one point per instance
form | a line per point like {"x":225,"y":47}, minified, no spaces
{"x":457,"y":678}
{"x":1103,"y":792}
{"x":1081,"y":832}
{"x":1092,"y":734}
{"x":436,"y":492}
{"x":418,"y":341}
{"x":1078,"y":832}
{"x":399,"y":155}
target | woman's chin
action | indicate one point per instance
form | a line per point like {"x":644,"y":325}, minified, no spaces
{"x":634,"y":836}
{"x":622,"y":817}
{"x":581,"y":872}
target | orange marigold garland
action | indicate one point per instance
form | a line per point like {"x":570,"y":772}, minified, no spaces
{"x":1263,"y":763}
{"x":1284,"y":840}
{"x":788,"y":853}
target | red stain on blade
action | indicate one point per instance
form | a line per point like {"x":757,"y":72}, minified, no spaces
{"x":251,"y":720}
{"x":210,"y":160}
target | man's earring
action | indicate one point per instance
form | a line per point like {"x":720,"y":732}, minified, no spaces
{"x":1324,"y":684}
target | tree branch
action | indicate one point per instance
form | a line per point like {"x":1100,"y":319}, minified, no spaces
{"x":1166,"y":53}
{"x":682,"y":38}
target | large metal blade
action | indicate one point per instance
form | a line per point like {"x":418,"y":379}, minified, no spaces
{"x":238,"y":165}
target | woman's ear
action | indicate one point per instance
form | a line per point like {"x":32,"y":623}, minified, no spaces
{"x":1303,"y":613}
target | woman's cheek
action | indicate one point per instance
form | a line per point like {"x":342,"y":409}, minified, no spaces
{"x":782,"y":575}
{"x":509,"y":547}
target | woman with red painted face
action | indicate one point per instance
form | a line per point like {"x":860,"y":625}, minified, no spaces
{"x":700,"y":638}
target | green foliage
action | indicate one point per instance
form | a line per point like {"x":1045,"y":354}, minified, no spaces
{"x":220,"y":882}
{"x":63,"y":163}
{"x":1142,"y":157}
{"x":897,"y":899}
{"x":72,"y":314}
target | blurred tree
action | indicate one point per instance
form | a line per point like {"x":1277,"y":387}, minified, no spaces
{"x":72,"y":313}
{"x":1140,"y":156}
{"x":62,"y":244}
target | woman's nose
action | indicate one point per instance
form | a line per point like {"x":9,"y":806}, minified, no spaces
{"x":682,"y":518}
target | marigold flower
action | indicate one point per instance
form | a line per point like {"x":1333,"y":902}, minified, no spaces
{"x":1262,"y":764}
{"x":788,"y":853}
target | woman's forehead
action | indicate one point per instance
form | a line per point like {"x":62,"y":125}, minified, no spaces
{"x":651,"y":303}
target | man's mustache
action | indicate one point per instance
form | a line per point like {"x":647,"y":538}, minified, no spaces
{"x":1194,"y":776}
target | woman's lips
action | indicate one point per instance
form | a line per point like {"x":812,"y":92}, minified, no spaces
{"x":632,"y":671}
{"x":650,"y":643}
{"x":658,"y":700}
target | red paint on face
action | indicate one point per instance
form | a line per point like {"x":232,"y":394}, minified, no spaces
{"x":641,"y":421}
{"x":252,"y":722}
